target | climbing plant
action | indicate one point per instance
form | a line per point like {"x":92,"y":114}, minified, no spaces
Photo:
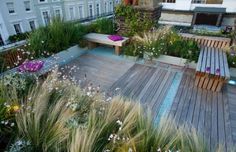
{"x":134,"y":21}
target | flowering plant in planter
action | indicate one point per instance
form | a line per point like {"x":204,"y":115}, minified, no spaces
{"x":31,"y":66}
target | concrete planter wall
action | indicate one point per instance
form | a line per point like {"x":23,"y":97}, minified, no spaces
{"x":232,"y":72}
{"x":175,"y":61}
{"x":170,"y":60}
{"x":132,"y":58}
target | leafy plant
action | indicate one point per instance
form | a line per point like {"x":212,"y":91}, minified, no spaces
{"x":56,"y":37}
{"x":104,"y":26}
{"x":135,"y":21}
{"x":166,"y":41}
{"x":18,"y":37}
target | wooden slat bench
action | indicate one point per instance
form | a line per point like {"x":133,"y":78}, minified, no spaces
{"x":94,"y":38}
{"x":209,"y":41}
{"x":212,"y":69}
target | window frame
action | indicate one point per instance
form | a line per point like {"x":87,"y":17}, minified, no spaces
{"x":13,"y":8}
{"x":29,"y":6}
{"x":20,"y":27}
{"x":169,"y":1}
{"x":42,"y":11}
{"x":35,"y":27}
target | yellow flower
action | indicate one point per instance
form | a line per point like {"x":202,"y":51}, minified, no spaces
{"x":15,"y":108}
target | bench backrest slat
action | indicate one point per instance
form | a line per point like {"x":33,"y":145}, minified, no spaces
{"x":203,"y":66}
{"x":212,"y":61}
{"x":208,"y":41}
{"x":222,"y":69}
{"x":226,"y":66}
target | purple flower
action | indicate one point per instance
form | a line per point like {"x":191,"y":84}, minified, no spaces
{"x":30,"y":66}
{"x":208,"y":69}
{"x":217,"y":71}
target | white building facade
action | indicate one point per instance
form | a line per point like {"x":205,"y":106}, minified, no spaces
{"x":191,"y":12}
{"x":19,"y":16}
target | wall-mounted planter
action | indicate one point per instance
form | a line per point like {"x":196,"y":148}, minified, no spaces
{"x":132,"y":58}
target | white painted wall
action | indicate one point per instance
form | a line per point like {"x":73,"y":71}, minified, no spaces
{"x":185,"y":5}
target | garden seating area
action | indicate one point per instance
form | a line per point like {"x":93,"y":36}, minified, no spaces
{"x":165,"y":91}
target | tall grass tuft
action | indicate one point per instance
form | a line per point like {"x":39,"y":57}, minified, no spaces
{"x":57,"y":36}
{"x":42,"y":118}
{"x":124,"y":126}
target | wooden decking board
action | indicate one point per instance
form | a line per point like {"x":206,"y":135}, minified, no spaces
{"x":191,"y":106}
{"x":151,"y":83}
{"x":197,"y":108}
{"x":228,"y":131}
{"x":132,"y":84}
{"x":181,"y":101}
{"x":139,"y":83}
{"x":187,"y":103}
{"x":159,"y":99}
{"x":201,"y":120}
{"x":142,"y":85}
{"x":178,"y":94}
{"x":126,"y":78}
{"x":207,"y":123}
{"x":158,"y":91}
{"x":221,"y":126}
{"x":145,"y":98}
{"x":214,"y":122}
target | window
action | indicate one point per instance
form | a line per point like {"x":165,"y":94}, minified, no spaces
{"x":90,"y":10}
{"x":97,"y":9}
{"x":32,"y":25}
{"x":110,"y":7}
{"x":27,"y":5}
{"x":80,"y":11}
{"x":72,"y":14}
{"x":168,"y":1}
{"x":57,"y":13}
{"x":207,"y":1}
{"x":46,"y":18}
{"x":41,"y":1}
{"x":10,"y":6}
{"x":105,"y":7}
{"x":17,"y":28}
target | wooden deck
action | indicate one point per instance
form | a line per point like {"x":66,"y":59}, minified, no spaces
{"x":212,"y":114}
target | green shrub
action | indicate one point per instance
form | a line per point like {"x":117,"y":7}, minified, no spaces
{"x":132,"y":50}
{"x":104,"y":26}
{"x":56,"y":37}
{"x":18,"y":37}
